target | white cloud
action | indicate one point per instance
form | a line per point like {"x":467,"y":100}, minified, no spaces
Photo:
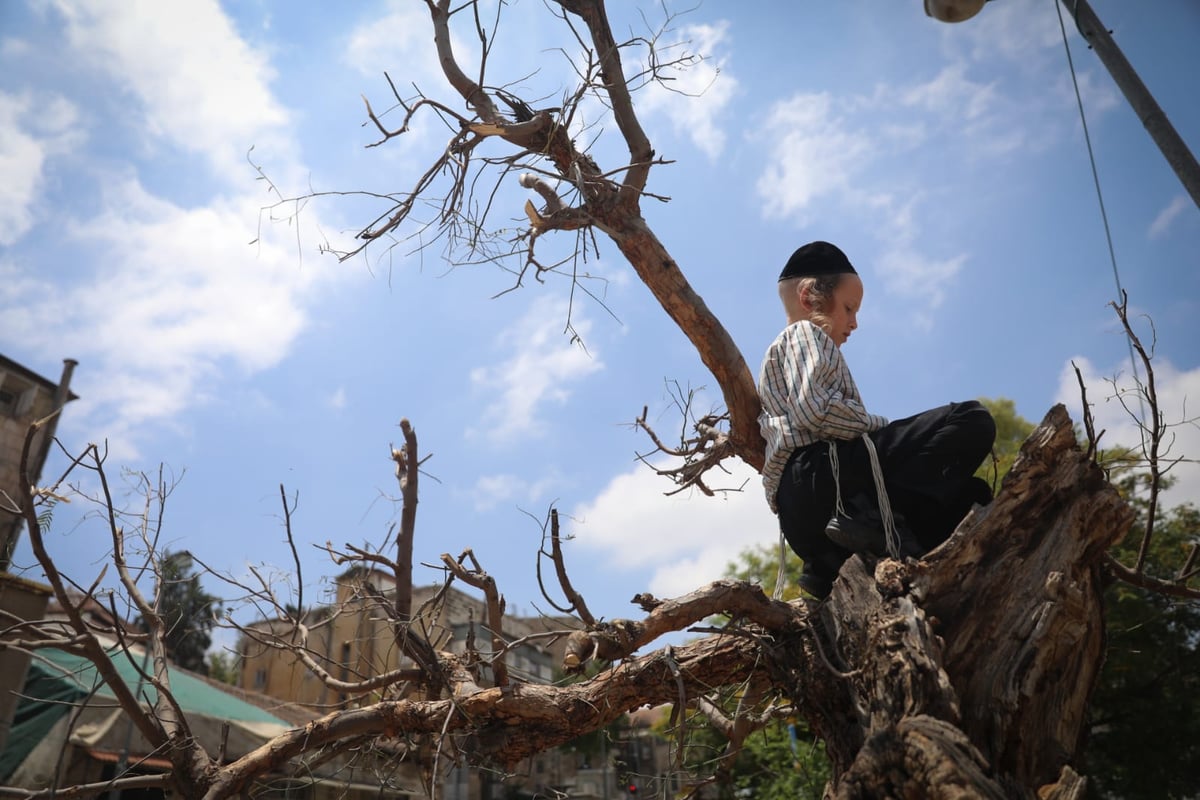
{"x":188,"y":277}
{"x":21,"y":158}
{"x":32,"y":129}
{"x":973,"y":119}
{"x":201,"y":87}
{"x":1178,"y":393}
{"x":1168,"y":215}
{"x":338,"y":399}
{"x":403,"y":35}
{"x":493,"y":490}
{"x":819,"y":154}
{"x":1024,"y":32}
{"x":14,"y":48}
{"x":814,"y":152}
{"x":539,"y":364}
{"x":1098,"y":93}
{"x":694,"y":537}
{"x":172,"y":297}
{"x":164,"y":299}
{"x":911,"y":274}
{"x":694,"y":95}
{"x":951,"y":93}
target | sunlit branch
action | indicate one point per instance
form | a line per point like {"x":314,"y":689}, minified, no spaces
{"x":95,"y":651}
{"x":494,"y":602}
{"x":576,"y":603}
{"x":84,"y":790}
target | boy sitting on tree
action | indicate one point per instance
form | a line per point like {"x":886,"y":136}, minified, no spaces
{"x":843,"y":480}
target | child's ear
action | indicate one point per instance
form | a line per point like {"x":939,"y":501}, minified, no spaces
{"x":805,"y":298}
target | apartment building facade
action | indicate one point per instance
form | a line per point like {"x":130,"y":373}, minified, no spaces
{"x":352,"y":638}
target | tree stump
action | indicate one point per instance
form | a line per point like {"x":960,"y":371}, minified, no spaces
{"x":968,"y":673}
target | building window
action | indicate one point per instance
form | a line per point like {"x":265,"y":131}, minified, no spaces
{"x":260,"y":679}
{"x":16,"y":396}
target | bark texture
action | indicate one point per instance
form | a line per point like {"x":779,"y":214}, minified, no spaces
{"x":966,"y":674}
{"x":969,"y":673}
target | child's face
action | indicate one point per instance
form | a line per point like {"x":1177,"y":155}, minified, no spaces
{"x":843,"y":311}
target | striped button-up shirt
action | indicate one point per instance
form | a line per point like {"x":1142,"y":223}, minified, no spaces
{"x":807,"y":395}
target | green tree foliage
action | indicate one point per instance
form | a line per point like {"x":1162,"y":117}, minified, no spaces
{"x":783,"y":761}
{"x":188,"y":612}
{"x":1011,"y":431}
{"x":761,"y":565}
{"x":1144,"y":726}
{"x":222,"y":667}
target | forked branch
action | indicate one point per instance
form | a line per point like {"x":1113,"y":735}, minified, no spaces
{"x":1155,"y":450}
{"x":575,"y":601}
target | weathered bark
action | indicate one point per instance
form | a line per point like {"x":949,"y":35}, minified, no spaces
{"x":716,"y":347}
{"x":963,"y":675}
{"x":970,"y":671}
{"x":1024,"y":671}
{"x":966,"y":674}
{"x":504,"y":725}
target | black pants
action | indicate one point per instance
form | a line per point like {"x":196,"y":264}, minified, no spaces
{"x":928,"y":462}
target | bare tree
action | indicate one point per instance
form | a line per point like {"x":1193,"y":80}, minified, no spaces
{"x":965,"y":674}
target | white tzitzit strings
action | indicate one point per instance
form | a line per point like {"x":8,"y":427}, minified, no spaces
{"x":838,"y":508}
{"x":891,"y":536}
{"x":781,"y":576}
{"x":885,"y":505}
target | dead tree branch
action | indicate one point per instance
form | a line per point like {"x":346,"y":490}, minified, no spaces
{"x":147,"y":725}
{"x":84,"y":790}
{"x":1155,"y":457}
{"x":475,"y":576}
{"x":575,"y":601}
{"x":888,"y":667}
{"x":587,"y":198}
{"x":407,"y":473}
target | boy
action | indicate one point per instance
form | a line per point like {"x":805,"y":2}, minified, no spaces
{"x":841,"y":479}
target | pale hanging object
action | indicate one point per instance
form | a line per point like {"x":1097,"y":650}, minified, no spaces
{"x":953,"y":10}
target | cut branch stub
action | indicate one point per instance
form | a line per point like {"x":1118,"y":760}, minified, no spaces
{"x":604,"y":641}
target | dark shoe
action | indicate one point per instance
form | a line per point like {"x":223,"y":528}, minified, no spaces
{"x":979,"y":491}
{"x":815,"y":582}
{"x":865,"y":535}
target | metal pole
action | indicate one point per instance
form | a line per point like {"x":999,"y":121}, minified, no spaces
{"x":1151,"y":114}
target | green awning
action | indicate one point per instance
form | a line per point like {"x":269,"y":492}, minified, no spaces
{"x":59,"y":682}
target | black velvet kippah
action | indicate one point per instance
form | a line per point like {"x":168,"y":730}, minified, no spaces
{"x":817,"y":258}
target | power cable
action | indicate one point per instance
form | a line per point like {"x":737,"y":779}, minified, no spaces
{"x":1112,"y":254}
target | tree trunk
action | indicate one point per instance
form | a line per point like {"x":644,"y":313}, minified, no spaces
{"x":968,"y":674}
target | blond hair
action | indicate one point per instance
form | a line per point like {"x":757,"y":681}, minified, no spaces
{"x":820,"y":295}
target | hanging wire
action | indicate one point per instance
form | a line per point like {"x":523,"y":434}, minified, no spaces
{"x":1112,"y":254}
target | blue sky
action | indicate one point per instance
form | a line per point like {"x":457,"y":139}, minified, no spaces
{"x":214,"y":337}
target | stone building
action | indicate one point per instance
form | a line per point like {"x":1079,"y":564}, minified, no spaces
{"x":351,"y":638}
{"x":25,"y":397}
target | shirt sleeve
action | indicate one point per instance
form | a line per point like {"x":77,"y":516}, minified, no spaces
{"x":820,"y":390}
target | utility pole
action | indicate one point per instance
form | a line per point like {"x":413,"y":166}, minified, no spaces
{"x":1151,"y":114}
{"x":1139,"y":97}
